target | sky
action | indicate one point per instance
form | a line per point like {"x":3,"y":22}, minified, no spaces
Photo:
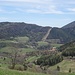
{"x":54,"y":13}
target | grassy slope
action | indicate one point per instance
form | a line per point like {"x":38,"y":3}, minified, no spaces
{"x":66,"y":74}
{"x":65,"y":65}
{"x":4,"y":71}
{"x":33,"y":58}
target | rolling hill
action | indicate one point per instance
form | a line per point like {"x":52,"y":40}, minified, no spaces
{"x":15,"y":29}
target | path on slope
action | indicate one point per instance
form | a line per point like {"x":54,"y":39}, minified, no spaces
{"x":45,"y":37}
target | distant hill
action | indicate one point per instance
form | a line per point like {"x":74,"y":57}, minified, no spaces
{"x":14,"y":29}
{"x":65,"y":34}
{"x":70,"y":25}
{"x":58,"y":33}
{"x":37,"y":33}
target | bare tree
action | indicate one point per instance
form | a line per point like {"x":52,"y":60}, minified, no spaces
{"x":14,"y":54}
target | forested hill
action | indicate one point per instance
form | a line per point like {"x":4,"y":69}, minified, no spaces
{"x":36,"y":33}
{"x":14,"y":29}
{"x":65,"y":34}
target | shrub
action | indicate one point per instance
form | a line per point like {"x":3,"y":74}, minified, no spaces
{"x":19,"y":67}
{"x":10,"y":67}
{"x":58,"y":68}
{"x":25,"y":66}
{"x":69,"y":70}
{"x":0,"y":65}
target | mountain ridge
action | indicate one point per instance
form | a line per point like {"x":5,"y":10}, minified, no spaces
{"x":70,"y":25}
{"x":36,"y":32}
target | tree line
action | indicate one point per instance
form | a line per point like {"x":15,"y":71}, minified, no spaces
{"x":69,"y":52}
{"x":49,"y":60}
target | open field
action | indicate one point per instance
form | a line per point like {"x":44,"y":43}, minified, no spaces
{"x":56,"y":45}
{"x":22,"y":39}
{"x":27,"y":50}
{"x":23,"y":50}
{"x":41,"y":43}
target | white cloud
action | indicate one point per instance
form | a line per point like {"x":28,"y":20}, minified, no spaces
{"x":45,"y":12}
{"x":71,"y":9}
{"x":53,"y":9}
{"x":38,"y":6}
{"x":41,"y":9}
{"x":28,"y":1}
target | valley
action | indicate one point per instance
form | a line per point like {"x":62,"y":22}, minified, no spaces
{"x":29,"y":49}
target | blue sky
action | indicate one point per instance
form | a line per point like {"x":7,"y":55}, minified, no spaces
{"x":54,"y":13}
